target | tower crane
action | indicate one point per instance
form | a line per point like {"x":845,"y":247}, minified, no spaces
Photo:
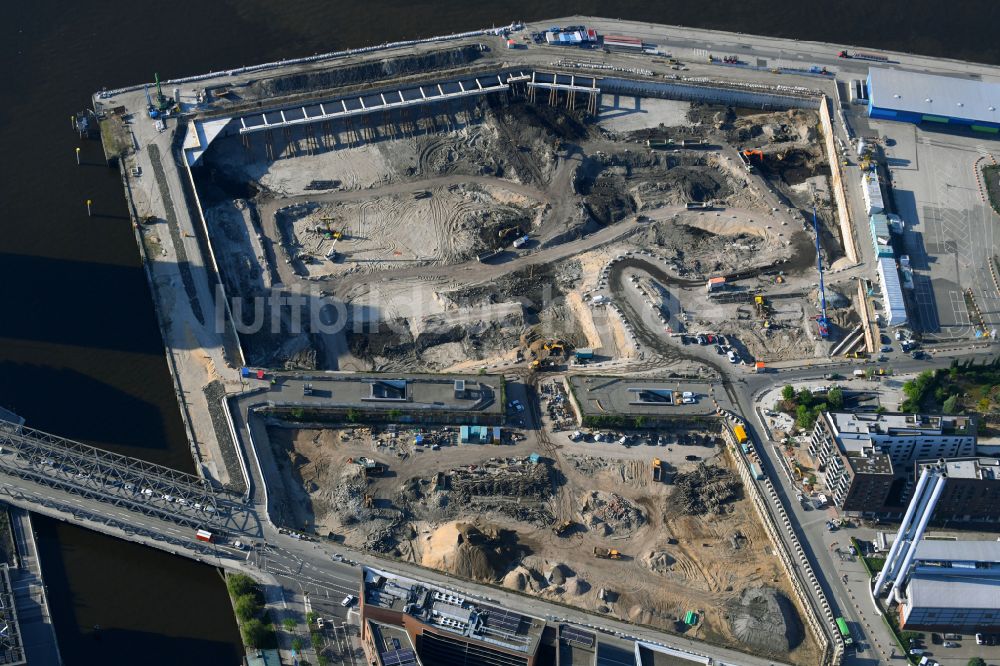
{"x":821,"y":321}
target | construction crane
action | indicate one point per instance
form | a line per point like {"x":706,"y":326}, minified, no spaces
{"x":163,"y":103}
{"x":821,"y":321}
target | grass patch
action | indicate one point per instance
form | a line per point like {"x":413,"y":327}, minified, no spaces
{"x":991,"y":176}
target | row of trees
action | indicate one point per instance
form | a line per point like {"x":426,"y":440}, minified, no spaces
{"x":256,"y":627}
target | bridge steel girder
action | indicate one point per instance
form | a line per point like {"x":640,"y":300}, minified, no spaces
{"x":53,"y":508}
{"x":129,"y":483}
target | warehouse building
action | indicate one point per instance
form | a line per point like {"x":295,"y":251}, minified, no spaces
{"x":953,"y":586}
{"x":893,"y":304}
{"x":914,"y":97}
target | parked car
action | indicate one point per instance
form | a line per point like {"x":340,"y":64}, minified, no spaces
{"x":348,"y":600}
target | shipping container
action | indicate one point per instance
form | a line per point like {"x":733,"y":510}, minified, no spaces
{"x":622,"y":43}
{"x":204,"y":535}
{"x":755,"y":471}
{"x":741,"y":433}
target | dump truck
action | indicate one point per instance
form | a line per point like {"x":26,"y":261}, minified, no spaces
{"x":607,"y":553}
{"x":657,"y":470}
{"x":370,"y":467}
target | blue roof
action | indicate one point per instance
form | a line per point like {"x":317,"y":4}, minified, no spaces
{"x":934,"y":95}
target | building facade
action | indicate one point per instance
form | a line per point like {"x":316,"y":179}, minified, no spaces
{"x":953,"y":586}
{"x":862,"y":456}
{"x":408,"y":619}
{"x":972,"y":494}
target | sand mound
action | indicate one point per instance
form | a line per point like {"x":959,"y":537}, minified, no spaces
{"x":516,"y":580}
{"x":470,"y":551}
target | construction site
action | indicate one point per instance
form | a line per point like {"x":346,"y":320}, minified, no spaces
{"x":529,"y":223}
{"x":455,"y":237}
{"x":663,"y":537}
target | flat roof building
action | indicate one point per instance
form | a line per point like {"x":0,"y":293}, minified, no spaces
{"x":442,"y":626}
{"x":401,"y":398}
{"x":954,"y":585}
{"x":863,"y":457}
{"x":893,"y":303}
{"x":915,"y":97}
{"x":608,"y":401}
{"x":949,"y":603}
{"x":972,"y":494}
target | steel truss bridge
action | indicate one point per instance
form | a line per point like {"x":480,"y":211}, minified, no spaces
{"x":115,"y":480}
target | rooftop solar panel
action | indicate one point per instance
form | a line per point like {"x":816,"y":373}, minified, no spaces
{"x":404,"y":657}
{"x":577,"y":636}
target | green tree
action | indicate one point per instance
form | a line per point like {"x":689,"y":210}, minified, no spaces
{"x":394,"y":414}
{"x":241,"y":584}
{"x":880,"y":410}
{"x":289,"y":624}
{"x":910,"y":405}
{"x":804,"y":418}
{"x":977,"y":661}
{"x":317,"y":641}
{"x":640,"y":421}
{"x":255,"y":633}
{"x":353,"y":415}
{"x":804,"y":397}
{"x":311,"y":617}
{"x":297,"y":644}
{"x":298,"y":412}
{"x":950,"y":405}
{"x":984,"y":404}
{"x":246,"y":606}
{"x":835,"y":397}
{"x":788,"y":393}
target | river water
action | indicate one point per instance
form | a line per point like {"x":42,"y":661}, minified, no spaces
{"x":80,"y":351}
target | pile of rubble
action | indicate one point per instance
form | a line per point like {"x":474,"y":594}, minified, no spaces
{"x":610,"y":512}
{"x":513,"y":487}
{"x":765,"y":619}
{"x":707,"y":489}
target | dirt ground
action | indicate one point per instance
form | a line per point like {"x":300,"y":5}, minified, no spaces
{"x":490,"y":515}
{"x":428,"y":197}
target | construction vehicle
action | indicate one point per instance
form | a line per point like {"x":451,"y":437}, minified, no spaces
{"x":822,"y":323}
{"x":563,"y":527}
{"x":555,"y":346}
{"x":657,"y":470}
{"x":332,"y":253}
{"x":751,"y":158}
{"x":607,"y":553}
{"x":740,"y":433}
{"x":506,"y":233}
{"x":163,"y":103}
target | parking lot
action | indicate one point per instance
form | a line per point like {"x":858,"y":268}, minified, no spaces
{"x":949,"y":235}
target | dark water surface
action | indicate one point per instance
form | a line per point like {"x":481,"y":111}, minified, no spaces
{"x":80,"y":352}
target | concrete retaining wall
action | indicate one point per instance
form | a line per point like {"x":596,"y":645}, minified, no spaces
{"x":836,"y":177}
{"x":799,"y":572}
{"x":763,"y":97}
